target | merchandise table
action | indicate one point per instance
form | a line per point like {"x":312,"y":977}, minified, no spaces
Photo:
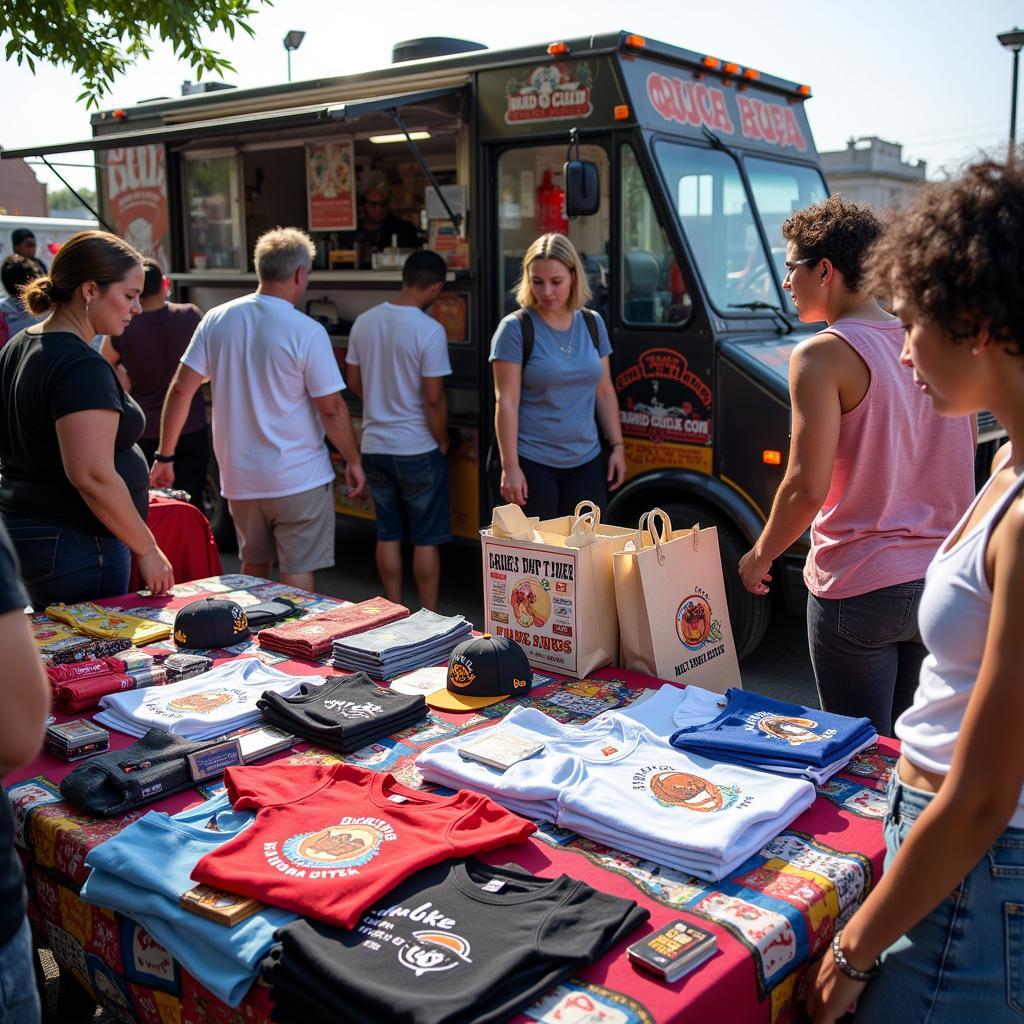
{"x":184,"y":535}
{"x":771,"y":917}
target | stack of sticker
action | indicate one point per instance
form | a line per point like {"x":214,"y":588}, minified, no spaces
{"x":71,"y":741}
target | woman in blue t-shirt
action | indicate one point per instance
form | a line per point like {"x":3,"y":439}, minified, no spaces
{"x":546,"y":398}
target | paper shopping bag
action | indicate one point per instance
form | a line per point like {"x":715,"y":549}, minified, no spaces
{"x":553,"y":591}
{"x":670,"y":595}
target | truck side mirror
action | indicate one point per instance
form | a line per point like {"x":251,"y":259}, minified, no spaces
{"x":582,"y":188}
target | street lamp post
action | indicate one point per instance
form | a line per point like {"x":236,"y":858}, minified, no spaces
{"x":292,"y":41}
{"x":1013,"y":41}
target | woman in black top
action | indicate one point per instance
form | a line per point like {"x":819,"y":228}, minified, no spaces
{"x":74,"y":487}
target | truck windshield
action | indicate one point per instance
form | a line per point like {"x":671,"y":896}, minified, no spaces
{"x":715,"y":211}
{"x":779,"y":190}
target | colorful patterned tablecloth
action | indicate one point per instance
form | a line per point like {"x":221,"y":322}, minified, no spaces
{"x":771,"y":917}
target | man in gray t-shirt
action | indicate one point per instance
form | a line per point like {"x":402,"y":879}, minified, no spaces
{"x":397,"y":361}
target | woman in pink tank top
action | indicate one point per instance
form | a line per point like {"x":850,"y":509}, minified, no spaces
{"x":875,"y":473}
{"x":944,"y":928}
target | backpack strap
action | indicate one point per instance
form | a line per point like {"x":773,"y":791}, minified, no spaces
{"x":526,"y":327}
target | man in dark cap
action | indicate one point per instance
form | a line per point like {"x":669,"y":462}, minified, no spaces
{"x":24,"y":243}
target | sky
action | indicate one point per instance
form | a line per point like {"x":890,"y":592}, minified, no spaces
{"x":929,"y":74}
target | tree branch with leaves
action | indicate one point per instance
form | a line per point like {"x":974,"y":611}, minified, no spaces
{"x":98,"y":45}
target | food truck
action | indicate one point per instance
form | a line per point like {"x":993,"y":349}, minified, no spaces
{"x":698,"y":162}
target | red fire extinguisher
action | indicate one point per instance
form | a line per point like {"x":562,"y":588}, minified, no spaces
{"x":551,"y":207}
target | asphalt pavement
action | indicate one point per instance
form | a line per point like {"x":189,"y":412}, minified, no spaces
{"x":780,"y":667}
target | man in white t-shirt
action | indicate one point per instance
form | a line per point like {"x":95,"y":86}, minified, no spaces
{"x":276,"y":391}
{"x":397,"y":361}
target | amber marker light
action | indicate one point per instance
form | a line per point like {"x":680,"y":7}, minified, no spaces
{"x":804,"y":90}
{"x":637,"y":42}
{"x":119,"y":115}
{"x":558,"y":49}
{"x":621,"y":112}
{"x":751,"y":74}
{"x":731,"y":69}
{"x":771,"y":458}
{"x":711,"y":62}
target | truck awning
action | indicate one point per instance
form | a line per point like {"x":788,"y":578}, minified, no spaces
{"x":290,"y":117}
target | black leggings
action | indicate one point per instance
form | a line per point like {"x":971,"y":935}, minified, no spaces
{"x":553,"y":492}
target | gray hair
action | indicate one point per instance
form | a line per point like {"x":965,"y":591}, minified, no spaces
{"x":281,"y":251}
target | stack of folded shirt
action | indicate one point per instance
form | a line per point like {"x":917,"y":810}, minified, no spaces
{"x":143,"y":870}
{"x":84,"y":669}
{"x":208,"y":705}
{"x":312,"y":637}
{"x":615,"y":782}
{"x":346,"y":713}
{"x":425,"y":638}
{"x":121,"y":780}
{"x":109,"y":623}
{"x":495,"y":940}
{"x":78,"y":695}
{"x":774,"y":736}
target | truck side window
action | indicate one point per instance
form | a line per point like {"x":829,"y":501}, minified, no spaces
{"x":653,"y":289}
{"x":531,"y":202}
{"x":718,"y":222}
{"x":213,"y":194}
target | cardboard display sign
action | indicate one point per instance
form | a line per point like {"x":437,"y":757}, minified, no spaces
{"x":552,"y":591}
{"x":673,"y":617}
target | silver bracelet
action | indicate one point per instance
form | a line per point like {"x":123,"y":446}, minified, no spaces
{"x":846,"y":967}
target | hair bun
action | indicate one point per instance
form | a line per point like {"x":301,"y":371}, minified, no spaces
{"x":38,"y":295}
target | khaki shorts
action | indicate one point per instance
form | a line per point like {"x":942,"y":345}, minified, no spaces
{"x":297,"y":529}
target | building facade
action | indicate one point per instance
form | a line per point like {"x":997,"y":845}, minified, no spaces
{"x":22,"y":194}
{"x":872,"y":171}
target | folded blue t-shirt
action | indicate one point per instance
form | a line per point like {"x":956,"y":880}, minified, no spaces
{"x":143,"y":870}
{"x":757,"y":730}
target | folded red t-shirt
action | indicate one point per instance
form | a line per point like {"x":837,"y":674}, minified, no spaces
{"x":330,"y":840}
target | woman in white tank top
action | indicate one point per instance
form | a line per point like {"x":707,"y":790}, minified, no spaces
{"x":944,"y":928}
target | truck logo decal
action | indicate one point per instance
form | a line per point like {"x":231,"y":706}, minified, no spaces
{"x":551,"y":92}
{"x":664,"y":400}
{"x":769,"y":122}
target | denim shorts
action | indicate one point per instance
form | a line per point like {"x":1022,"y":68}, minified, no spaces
{"x":19,"y":998}
{"x":411,"y":496}
{"x":965,"y":960}
{"x":58,"y":564}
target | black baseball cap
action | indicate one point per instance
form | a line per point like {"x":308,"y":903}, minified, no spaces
{"x":483,"y":671}
{"x":210,"y":622}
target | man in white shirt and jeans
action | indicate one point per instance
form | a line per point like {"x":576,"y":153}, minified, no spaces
{"x":397,"y":361}
{"x":276,"y":391}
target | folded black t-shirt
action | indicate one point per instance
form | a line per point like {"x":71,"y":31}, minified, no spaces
{"x":344,"y":712}
{"x":456,"y":943}
{"x":12,"y":890}
{"x":44,"y":377}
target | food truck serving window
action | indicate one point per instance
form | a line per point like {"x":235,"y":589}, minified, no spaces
{"x":779,"y":190}
{"x":214,"y":221}
{"x":717,"y":219}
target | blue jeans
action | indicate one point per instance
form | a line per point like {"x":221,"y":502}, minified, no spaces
{"x":411,"y":497}
{"x":866,"y":652}
{"x":965,"y":961}
{"x":58,"y":564}
{"x":19,"y":998}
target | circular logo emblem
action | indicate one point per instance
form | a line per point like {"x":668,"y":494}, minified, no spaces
{"x":460,"y":675}
{"x":201,"y":703}
{"x":693,"y":621}
{"x":531,"y":603}
{"x":434,"y":951}
{"x":334,"y":846}
{"x":680,"y":789}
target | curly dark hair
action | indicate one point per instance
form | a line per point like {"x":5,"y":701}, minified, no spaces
{"x":837,"y":229}
{"x":955,"y":251}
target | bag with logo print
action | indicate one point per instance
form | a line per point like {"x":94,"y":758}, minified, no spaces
{"x":670,"y":595}
{"x":550,"y":587}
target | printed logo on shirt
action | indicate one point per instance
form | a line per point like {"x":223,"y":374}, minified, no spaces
{"x":434,"y":951}
{"x":204,"y":703}
{"x":347,"y":709}
{"x":337,"y":849}
{"x":794,"y":731}
{"x":692,"y":792}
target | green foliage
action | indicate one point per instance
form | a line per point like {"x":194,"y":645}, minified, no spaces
{"x":62,"y":199}
{"x":99,"y":44}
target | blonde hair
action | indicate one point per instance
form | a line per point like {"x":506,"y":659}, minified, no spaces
{"x":281,"y":251}
{"x":554,"y":247}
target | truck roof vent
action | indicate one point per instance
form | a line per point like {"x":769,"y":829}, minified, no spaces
{"x":431,"y":46}
{"x":192,"y":88}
